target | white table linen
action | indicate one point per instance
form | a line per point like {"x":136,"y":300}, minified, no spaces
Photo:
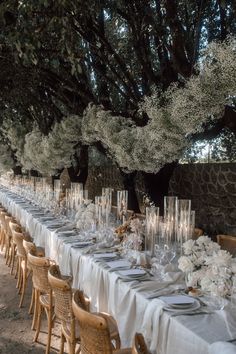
{"x":128,"y":302}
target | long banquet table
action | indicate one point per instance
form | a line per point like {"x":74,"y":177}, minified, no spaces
{"x":128,"y":302}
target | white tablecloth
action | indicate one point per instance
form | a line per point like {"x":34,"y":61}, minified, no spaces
{"x":127,"y":302}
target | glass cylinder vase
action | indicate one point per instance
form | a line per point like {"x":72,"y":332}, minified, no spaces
{"x":152,"y":225}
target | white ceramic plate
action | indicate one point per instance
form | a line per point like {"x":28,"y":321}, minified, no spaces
{"x":82,"y":244}
{"x":105,"y":256}
{"x":133,"y":274}
{"x":196,"y":305}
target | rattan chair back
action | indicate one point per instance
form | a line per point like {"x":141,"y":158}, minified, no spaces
{"x":40,"y":267}
{"x":197,"y":233}
{"x":8,"y":219}
{"x":18,"y":238}
{"x":14,"y":227}
{"x":94,"y":331}
{"x":3,"y":215}
{"x":228,"y":243}
{"x":28,"y":246}
{"x":139,"y":346}
{"x":80,"y":299}
{"x":62,"y":294}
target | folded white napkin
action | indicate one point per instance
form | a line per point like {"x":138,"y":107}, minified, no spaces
{"x":177,"y":300}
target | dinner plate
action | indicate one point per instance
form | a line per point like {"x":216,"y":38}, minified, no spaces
{"x":177,"y":300}
{"x":196,"y":305}
{"x":132,"y":273}
{"x":119,"y":264}
{"x":105,"y":256}
{"x":82,"y":244}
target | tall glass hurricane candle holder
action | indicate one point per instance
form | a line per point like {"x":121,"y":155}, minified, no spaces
{"x":99,"y":200}
{"x":192,"y":223}
{"x":152,"y":225}
{"x":170,"y":218}
{"x":107,"y":194}
{"x":183,"y":229}
{"x":122,"y":205}
{"x":57,"y":190}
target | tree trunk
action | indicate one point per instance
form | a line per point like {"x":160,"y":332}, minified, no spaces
{"x":79,"y":173}
{"x":157,"y":185}
{"x":17,"y":170}
{"x":129,"y":185}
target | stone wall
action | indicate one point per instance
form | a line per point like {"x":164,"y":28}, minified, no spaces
{"x":211,"y":187}
{"x":99,"y":177}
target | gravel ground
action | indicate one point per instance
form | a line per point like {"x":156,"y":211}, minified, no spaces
{"x":16,"y":335}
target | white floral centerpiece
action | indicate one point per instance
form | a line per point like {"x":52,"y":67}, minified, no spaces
{"x":85,"y":216}
{"x":207,"y":266}
{"x":134,"y":238}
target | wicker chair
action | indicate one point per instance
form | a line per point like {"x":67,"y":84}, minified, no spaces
{"x":13,"y":227}
{"x":3,"y":216}
{"x":139,"y":346}
{"x":28,"y":246}
{"x":228,"y":243}
{"x":43,"y":294}
{"x":63,"y":308}
{"x":197,"y":233}
{"x":8,"y":239}
{"x":3,"y":227}
{"x":23,"y":273}
{"x":2,"y":210}
{"x":95,"y":336}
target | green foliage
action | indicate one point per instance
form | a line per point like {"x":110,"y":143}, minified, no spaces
{"x":58,"y":56}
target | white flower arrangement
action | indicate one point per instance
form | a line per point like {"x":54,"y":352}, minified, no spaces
{"x":85,"y":216}
{"x":48,"y":153}
{"x":133,"y":240}
{"x":207,"y":266}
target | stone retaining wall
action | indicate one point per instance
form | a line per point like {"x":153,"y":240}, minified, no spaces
{"x":211,"y":187}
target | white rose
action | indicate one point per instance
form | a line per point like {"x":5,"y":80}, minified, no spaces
{"x":221,"y":258}
{"x":206,"y":283}
{"x":188,"y":246}
{"x":185,"y":264}
{"x":203,"y":241}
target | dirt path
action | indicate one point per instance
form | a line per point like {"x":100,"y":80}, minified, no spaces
{"x":16,"y":335}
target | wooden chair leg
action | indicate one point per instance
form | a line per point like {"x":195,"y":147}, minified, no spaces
{"x":20,"y":276}
{"x":24,"y":281}
{"x":3,"y":240}
{"x":31,"y":302}
{"x":17,"y":269}
{"x":8,"y":255}
{"x":72,"y":347}
{"x":36,"y":305}
{"x":13,"y":259}
{"x":5,"y":254}
{"x":62,"y":344}
{"x":38,"y":325}
{"x":49,"y":317}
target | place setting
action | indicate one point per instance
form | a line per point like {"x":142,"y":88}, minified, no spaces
{"x":180,"y":304}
